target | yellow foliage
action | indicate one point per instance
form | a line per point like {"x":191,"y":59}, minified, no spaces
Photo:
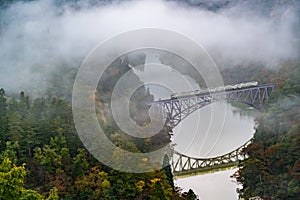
{"x":139,"y":185}
{"x":105,"y":184}
{"x":154,"y":180}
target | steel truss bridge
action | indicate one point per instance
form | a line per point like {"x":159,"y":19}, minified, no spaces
{"x":177,"y":109}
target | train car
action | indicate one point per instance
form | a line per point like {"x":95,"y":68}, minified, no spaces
{"x":184,"y":94}
{"x":214,"y":90}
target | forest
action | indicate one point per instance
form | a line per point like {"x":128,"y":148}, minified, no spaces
{"x":42,"y":156}
{"x":272,"y":170}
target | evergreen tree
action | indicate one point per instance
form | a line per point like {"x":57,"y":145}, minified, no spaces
{"x":3,"y":103}
{"x":4,"y":124}
{"x":191,"y":195}
{"x":158,"y":192}
{"x":168,"y":171}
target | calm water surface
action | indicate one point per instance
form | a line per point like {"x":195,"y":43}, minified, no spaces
{"x":212,"y":131}
{"x":207,"y":141}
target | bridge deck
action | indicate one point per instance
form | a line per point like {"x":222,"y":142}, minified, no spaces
{"x":269,"y":85}
{"x":175,"y":110}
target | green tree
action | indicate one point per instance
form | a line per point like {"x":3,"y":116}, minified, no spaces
{"x":4,"y":124}
{"x":94,"y":184}
{"x":31,"y":195}
{"x":168,"y":171}
{"x":55,"y":162}
{"x":3,"y":103}
{"x":191,"y":195}
{"x":158,"y":192}
{"x":10,"y":152}
{"x":24,"y":104}
{"x":80,"y":163}
{"x":12,"y":182}
{"x":53,"y":194}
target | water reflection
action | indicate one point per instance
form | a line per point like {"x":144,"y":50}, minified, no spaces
{"x":213,"y":186}
{"x":203,"y":134}
{"x":205,"y":142}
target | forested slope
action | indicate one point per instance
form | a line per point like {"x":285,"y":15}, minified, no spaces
{"x":272,"y":170}
{"x":39,"y":136}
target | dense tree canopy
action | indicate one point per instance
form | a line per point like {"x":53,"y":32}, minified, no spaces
{"x":40,"y":132}
{"x":272,"y":170}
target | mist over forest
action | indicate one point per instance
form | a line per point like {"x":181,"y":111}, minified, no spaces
{"x":39,"y":40}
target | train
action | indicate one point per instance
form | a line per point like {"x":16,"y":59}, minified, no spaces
{"x":214,"y":90}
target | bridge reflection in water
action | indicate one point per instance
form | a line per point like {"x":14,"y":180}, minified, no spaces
{"x":177,"y":109}
{"x":185,"y":165}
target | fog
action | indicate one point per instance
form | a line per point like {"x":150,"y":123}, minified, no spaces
{"x":38,"y":38}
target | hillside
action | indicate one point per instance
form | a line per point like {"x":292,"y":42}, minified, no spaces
{"x":272,"y":170}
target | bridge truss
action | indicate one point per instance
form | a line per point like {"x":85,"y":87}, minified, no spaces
{"x":177,"y":109}
{"x":183,"y":165}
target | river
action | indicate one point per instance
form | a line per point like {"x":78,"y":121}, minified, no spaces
{"x":237,"y":128}
{"x":213,"y":130}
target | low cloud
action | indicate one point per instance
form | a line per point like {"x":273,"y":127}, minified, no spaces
{"x":37,"y":38}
